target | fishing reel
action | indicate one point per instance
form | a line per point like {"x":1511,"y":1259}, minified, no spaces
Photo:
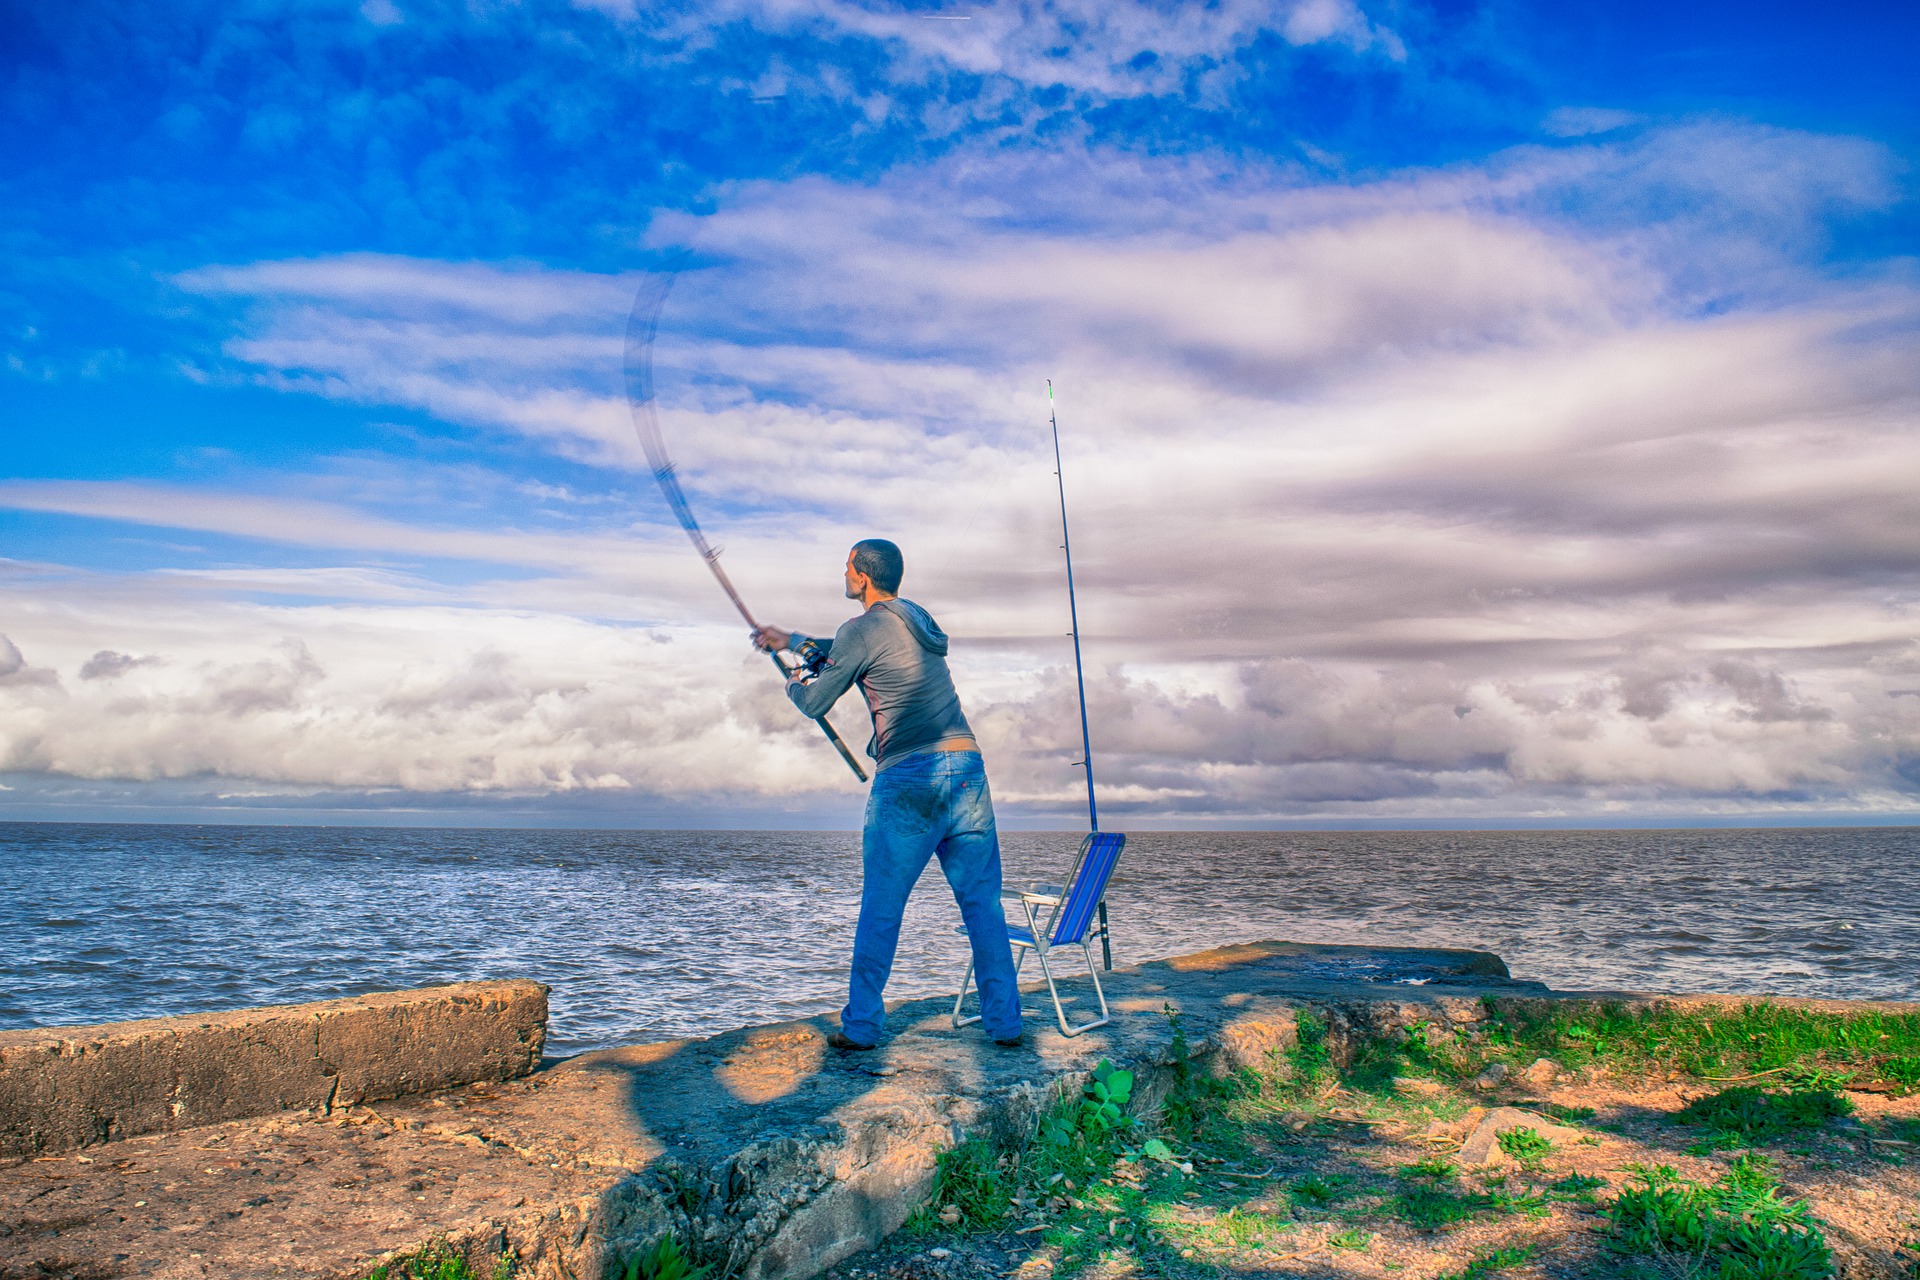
{"x":804,"y":659}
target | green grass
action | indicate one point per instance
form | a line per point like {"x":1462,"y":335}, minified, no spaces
{"x":1903,"y":1071}
{"x":1486,"y":1262}
{"x":1434,"y":1208}
{"x":1353,"y":1239}
{"x":1761,"y":1115}
{"x":1430,"y":1199}
{"x":1310,"y":1055}
{"x":1526,"y":1145}
{"x":436,"y":1260}
{"x":1317,"y":1190}
{"x":1755,"y":1038}
{"x":1577,"y":1187}
{"x":979,"y":1186}
{"x":1173,"y":1188}
{"x":1527,"y":1203}
{"x":663,"y":1261}
{"x":1237,"y":1229}
{"x":1739,"y":1228}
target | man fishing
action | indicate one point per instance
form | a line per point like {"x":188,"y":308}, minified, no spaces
{"x":929,"y":793}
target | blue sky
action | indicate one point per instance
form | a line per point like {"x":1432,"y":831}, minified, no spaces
{"x":1476,"y":413}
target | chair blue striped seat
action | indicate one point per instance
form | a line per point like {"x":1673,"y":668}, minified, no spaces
{"x":1074,"y":921}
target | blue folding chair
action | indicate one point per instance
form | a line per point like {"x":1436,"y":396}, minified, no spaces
{"x":1076,"y":920}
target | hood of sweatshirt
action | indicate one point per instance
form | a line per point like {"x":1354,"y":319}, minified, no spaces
{"x":920,"y":623}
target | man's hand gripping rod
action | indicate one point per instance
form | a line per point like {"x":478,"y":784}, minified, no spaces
{"x":642,"y":323}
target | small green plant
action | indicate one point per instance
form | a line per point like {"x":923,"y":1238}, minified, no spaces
{"x":1432,"y":1208}
{"x":1576,"y":1186}
{"x":1438,"y":1168}
{"x":1904,"y":1072}
{"x":1737,"y":1229}
{"x":971,"y":1185}
{"x":1310,"y":1054}
{"x":1526,"y":1144}
{"x":1529,"y":1204}
{"x":1572,"y":1115}
{"x":664,"y":1261}
{"x":1101,"y":1113}
{"x":1758,"y":1114}
{"x":1316,"y":1190}
{"x":1353,"y":1239}
{"x":437,"y":1260}
{"x":1193,"y":1096}
{"x":1489,"y":1261}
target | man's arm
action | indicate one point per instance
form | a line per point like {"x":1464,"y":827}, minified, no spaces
{"x":849,"y":663}
{"x":773,"y":640}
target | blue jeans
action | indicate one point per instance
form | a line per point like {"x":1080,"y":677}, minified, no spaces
{"x":935,"y":802}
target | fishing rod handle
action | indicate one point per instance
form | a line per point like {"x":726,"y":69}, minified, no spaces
{"x":839,"y":744}
{"x":841,"y":747}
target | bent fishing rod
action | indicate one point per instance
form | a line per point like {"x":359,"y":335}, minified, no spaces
{"x":1079,"y":670}
{"x":643,"y":322}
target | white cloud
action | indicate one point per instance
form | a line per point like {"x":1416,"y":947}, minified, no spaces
{"x":1115,"y":49}
{"x":1581,"y":122}
{"x":1437,"y":495}
{"x":423,"y":699}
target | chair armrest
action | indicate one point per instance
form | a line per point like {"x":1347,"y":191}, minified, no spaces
{"x":1040,"y":899}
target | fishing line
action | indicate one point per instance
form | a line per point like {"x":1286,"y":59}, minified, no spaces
{"x":643,"y":322}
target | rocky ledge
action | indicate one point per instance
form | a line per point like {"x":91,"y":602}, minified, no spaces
{"x":762,"y":1147}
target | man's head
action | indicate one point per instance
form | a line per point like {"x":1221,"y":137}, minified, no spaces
{"x":874,"y":566}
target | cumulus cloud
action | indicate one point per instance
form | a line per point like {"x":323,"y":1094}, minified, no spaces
{"x":106,"y":664}
{"x":1446,"y":494}
{"x":402,"y":699}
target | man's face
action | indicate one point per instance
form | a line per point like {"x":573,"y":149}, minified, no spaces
{"x":856,"y":580}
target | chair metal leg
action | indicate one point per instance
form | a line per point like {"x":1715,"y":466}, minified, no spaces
{"x":1059,"y":1010}
{"x":1098,"y":991}
{"x":959,"y":1000}
{"x":958,"y":1021}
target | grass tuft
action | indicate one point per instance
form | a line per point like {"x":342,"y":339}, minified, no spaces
{"x":1761,"y":1115}
{"x":1310,"y":1055}
{"x":1171,"y":1189}
{"x":1761,"y":1037}
{"x":437,"y":1260}
{"x":1489,"y":1261}
{"x":1316,"y":1190}
{"x":663,"y":1261}
{"x":1739,"y":1228}
{"x":1526,"y":1144}
{"x":1432,"y":1208}
{"x":1437,"y":1167}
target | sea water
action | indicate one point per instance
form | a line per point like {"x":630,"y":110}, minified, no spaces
{"x":648,"y":935}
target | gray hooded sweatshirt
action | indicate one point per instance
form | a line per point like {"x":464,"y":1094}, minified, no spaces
{"x":898,"y":655}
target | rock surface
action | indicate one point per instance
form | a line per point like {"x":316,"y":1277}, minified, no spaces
{"x":63,"y":1088}
{"x":766,"y":1150}
{"x":769,"y":1153}
{"x":1483,"y":1144}
{"x":1492,"y":1078}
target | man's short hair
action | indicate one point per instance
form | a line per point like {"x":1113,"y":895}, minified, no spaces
{"x":881,"y":561}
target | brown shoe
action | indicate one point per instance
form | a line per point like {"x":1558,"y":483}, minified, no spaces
{"x":839,"y":1041}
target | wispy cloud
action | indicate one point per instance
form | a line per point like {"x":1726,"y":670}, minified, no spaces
{"x":1513,"y":488}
